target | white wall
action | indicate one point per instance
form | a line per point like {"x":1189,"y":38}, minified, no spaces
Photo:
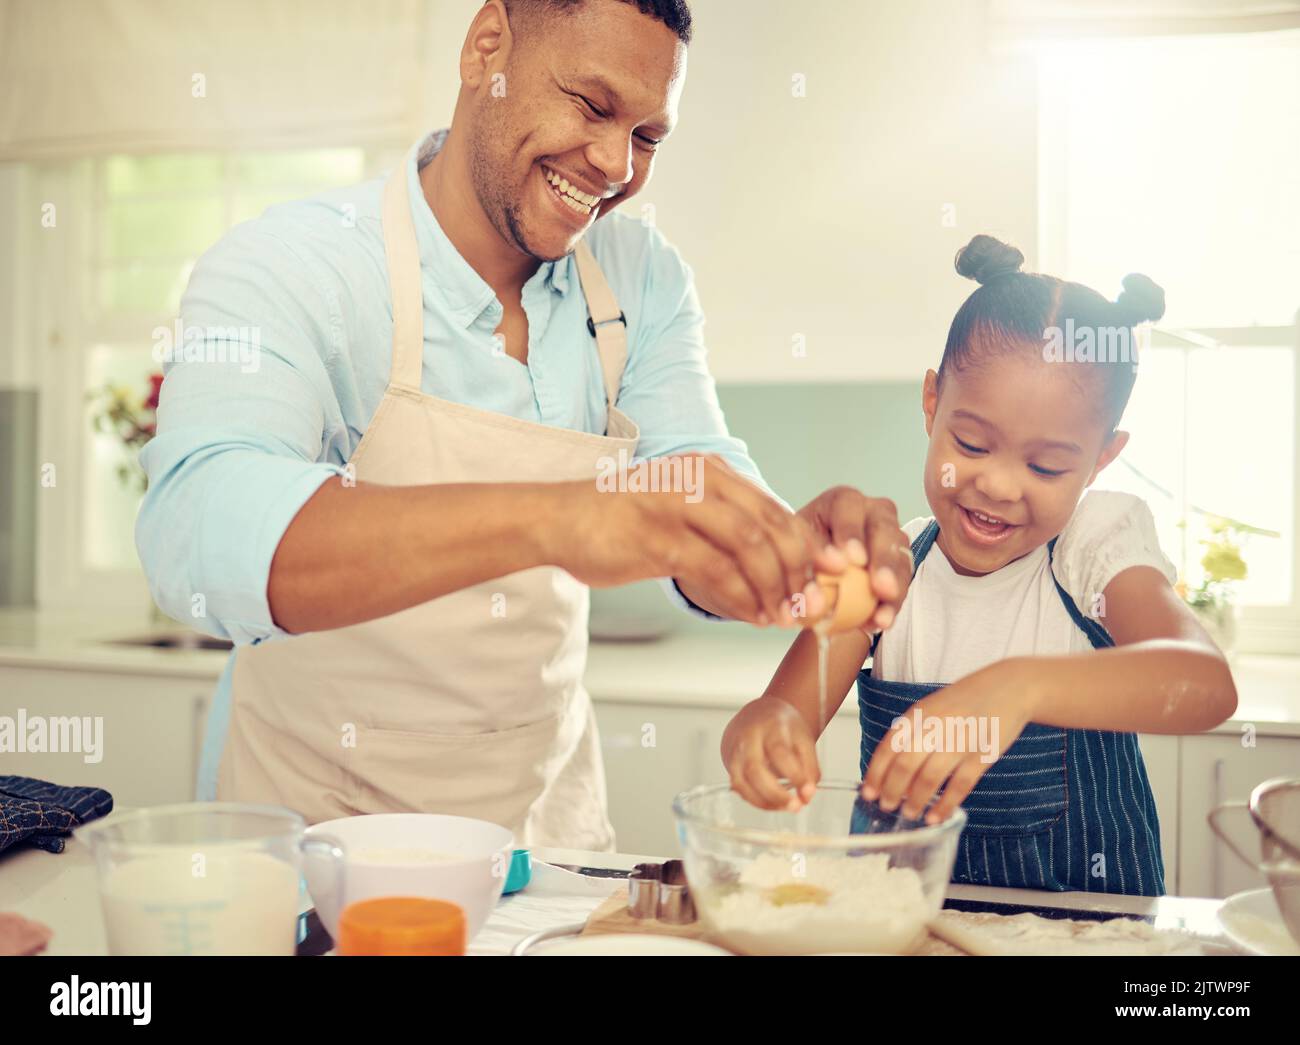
{"x":823,"y":215}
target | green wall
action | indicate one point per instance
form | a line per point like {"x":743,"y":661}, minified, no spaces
{"x":804,"y":439}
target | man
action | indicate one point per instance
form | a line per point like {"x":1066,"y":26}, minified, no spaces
{"x":406,"y":483}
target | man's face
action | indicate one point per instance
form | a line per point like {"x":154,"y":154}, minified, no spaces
{"x":583,"y":99}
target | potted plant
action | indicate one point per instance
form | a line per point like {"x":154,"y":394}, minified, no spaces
{"x":1223,"y":566}
{"x":133,"y":419}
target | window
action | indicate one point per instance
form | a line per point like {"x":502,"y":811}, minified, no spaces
{"x":1177,"y":158}
{"x":120,"y":275}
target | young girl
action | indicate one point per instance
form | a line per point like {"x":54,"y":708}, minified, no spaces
{"x":1041,"y":630}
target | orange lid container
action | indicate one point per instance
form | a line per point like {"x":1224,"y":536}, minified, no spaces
{"x":401,"y":925}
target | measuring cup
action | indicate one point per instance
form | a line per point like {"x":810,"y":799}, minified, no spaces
{"x":1274,"y":808}
{"x":204,"y":877}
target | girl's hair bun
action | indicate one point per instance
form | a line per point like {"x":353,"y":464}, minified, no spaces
{"x":984,"y":259}
{"x":1142,"y":299}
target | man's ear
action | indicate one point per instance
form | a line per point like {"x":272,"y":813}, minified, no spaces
{"x":930,"y":400}
{"x":1118,"y":440}
{"x":487,"y":45}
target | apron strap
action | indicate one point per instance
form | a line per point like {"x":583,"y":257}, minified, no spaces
{"x":403,"y":254}
{"x":1097,"y":635}
{"x":920,"y":549}
{"x":606,"y":321}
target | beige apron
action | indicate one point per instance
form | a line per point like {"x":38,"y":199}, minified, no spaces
{"x":470,"y":704}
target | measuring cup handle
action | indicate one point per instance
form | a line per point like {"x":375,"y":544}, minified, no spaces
{"x":1212,"y":818}
{"x":329,"y":905}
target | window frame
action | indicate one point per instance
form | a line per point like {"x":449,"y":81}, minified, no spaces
{"x":1260,"y":629}
{"x":63,"y":325}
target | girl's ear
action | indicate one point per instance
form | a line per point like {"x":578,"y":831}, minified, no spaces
{"x":1109,"y":452}
{"x":930,"y":400}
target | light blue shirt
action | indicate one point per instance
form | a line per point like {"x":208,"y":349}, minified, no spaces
{"x":286,"y":354}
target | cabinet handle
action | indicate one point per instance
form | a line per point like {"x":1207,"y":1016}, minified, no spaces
{"x":198,"y":729}
{"x":1216,"y":873}
{"x":702,"y":739}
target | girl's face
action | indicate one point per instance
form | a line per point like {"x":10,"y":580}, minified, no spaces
{"x":1014,"y":442}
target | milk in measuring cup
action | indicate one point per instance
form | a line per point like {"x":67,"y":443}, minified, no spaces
{"x":228,"y":903}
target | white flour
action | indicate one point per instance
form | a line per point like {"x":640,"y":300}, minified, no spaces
{"x":1031,"y":934}
{"x":867,"y":906}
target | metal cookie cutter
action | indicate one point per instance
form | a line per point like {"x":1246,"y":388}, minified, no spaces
{"x":660,"y":891}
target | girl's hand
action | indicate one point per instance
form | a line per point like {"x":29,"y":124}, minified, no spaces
{"x":768,"y":739}
{"x":998,"y":698}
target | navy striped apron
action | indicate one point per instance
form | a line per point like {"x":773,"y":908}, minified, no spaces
{"x":1062,"y":809}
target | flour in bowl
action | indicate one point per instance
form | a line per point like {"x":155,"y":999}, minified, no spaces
{"x":797,"y":904}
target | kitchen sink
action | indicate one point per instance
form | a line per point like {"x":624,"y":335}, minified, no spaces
{"x":180,"y":640}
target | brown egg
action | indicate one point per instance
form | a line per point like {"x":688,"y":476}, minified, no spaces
{"x":851,"y":596}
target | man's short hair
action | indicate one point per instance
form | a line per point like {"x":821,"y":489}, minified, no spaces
{"x":675,"y":14}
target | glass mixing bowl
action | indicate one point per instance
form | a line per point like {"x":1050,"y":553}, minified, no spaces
{"x":839,"y":875}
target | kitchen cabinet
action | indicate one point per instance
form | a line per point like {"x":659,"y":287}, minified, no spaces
{"x":152,"y":728}
{"x":654,"y":751}
{"x":1219,"y":768}
{"x":651,"y":753}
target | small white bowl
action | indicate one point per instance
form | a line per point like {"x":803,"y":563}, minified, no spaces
{"x":1253,"y":922}
{"x":382,"y":860}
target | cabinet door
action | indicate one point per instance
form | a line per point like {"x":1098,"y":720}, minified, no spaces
{"x":143,"y":725}
{"x":652,"y":752}
{"x":1218,"y":768}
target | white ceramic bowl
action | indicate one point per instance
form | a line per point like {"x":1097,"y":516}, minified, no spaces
{"x":381,"y":861}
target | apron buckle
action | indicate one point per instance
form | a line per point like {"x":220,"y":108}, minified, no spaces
{"x":592,"y":324}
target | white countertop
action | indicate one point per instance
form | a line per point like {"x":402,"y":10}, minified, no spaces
{"x":687,"y":669}
{"x":60,"y":890}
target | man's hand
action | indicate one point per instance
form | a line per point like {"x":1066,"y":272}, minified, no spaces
{"x":733,"y":550}
{"x":867,"y":530}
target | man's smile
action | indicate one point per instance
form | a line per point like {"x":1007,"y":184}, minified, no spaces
{"x":580,"y":202}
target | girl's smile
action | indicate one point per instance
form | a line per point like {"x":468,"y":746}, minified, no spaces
{"x":984,"y":529}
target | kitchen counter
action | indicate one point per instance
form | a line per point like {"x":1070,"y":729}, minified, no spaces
{"x":61,"y":892}
{"x":686,"y":669}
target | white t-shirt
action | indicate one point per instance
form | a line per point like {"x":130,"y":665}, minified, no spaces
{"x":951,"y":625}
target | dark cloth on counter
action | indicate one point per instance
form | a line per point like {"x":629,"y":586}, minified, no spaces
{"x":42,"y":813}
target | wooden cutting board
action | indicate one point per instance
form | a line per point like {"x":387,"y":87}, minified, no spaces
{"x":962,"y":933}
{"x":612,"y":917}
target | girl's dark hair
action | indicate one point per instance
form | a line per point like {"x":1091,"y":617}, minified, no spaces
{"x":1012,"y":310}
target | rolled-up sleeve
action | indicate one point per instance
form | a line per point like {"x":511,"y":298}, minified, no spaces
{"x":245,"y":419}
{"x":667,"y":388}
